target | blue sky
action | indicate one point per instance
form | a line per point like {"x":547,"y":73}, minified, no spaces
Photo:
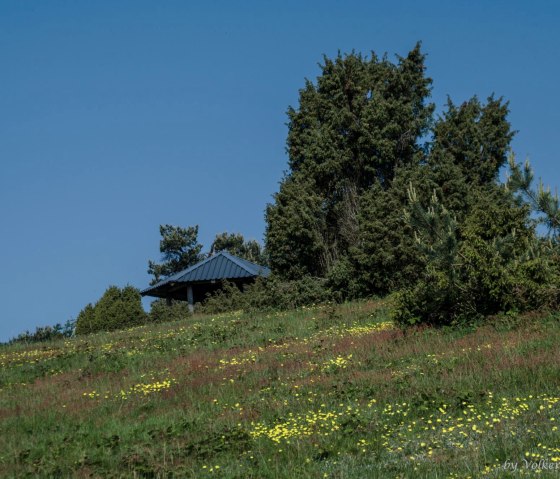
{"x":118,"y":116}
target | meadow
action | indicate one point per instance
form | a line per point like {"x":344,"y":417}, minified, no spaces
{"x":319,"y":392}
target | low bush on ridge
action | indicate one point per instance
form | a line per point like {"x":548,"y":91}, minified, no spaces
{"x":267,"y":294}
{"x":116,"y":309}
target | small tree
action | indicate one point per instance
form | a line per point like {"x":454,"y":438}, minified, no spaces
{"x":116,"y":309}
{"x":85,"y":322}
{"x":489,"y":263}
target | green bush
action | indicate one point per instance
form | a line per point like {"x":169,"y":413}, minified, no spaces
{"x":161,"y":312}
{"x":46,"y":333}
{"x":116,"y":309}
{"x":267,"y":294}
{"x":491,"y":263}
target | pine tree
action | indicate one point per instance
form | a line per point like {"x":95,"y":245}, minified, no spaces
{"x":435,"y":233}
{"x":479,"y":266}
{"x":542,"y":201}
{"x":179,"y":248}
{"x":236,"y":244}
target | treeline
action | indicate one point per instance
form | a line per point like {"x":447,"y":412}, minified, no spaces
{"x":381,"y":196}
{"x":46,"y":333}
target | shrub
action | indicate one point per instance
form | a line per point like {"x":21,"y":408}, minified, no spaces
{"x":116,"y":309}
{"x":267,"y":294}
{"x":161,"y":312}
{"x":46,"y":333}
{"x":491,"y":263}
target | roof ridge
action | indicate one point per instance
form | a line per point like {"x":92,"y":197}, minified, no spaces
{"x":236,"y":259}
{"x":180,"y":273}
{"x":198,"y":265}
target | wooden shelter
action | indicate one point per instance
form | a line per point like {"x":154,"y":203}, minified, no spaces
{"x":194,"y":283}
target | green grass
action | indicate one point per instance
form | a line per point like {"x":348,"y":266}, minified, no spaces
{"x":319,"y":392}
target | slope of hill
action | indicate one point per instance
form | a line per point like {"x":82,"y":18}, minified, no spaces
{"x":331,"y":391}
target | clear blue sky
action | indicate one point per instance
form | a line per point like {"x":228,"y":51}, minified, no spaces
{"x":118,"y":116}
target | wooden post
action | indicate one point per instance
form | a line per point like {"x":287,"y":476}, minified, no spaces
{"x":190,"y":298}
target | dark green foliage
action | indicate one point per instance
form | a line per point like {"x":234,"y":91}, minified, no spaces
{"x":385,"y":257}
{"x":355,"y":143}
{"x":362,"y":119}
{"x":475,"y":137}
{"x":295,"y":227}
{"x":267,"y":294}
{"x":161,"y":312}
{"x":179,"y":249}
{"x":235,"y":244}
{"x":469,"y":147}
{"x":343,"y":282}
{"x":492,"y":262}
{"x":85,"y":319}
{"x":46,"y":333}
{"x":116,"y":309}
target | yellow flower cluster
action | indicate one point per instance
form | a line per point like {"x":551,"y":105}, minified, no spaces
{"x":139,"y":389}
{"x":444,"y":428}
{"x":30,"y":356}
{"x":361,"y":330}
{"x":297,"y":426}
{"x":354,"y":330}
{"x":147,"y":388}
{"x":339,"y":362}
{"x":249,"y":357}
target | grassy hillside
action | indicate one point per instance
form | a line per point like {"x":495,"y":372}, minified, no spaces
{"x":323,"y":392}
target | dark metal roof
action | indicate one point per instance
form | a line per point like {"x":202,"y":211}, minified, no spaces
{"x":220,"y":266}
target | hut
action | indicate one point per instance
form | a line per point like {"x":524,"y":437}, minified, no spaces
{"x":194,"y":283}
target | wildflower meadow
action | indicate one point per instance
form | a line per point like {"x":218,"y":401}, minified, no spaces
{"x":326,"y":391}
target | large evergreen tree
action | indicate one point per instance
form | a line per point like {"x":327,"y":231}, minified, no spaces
{"x":361,"y":134}
{"x":362,"y":120}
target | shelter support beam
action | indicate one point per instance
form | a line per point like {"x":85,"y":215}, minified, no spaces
{"x":190,"y":298}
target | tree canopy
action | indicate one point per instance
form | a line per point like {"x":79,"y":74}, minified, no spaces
{"x":360,"y":135}
{"x":236,"y":244}
{"x":362,"y":120}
